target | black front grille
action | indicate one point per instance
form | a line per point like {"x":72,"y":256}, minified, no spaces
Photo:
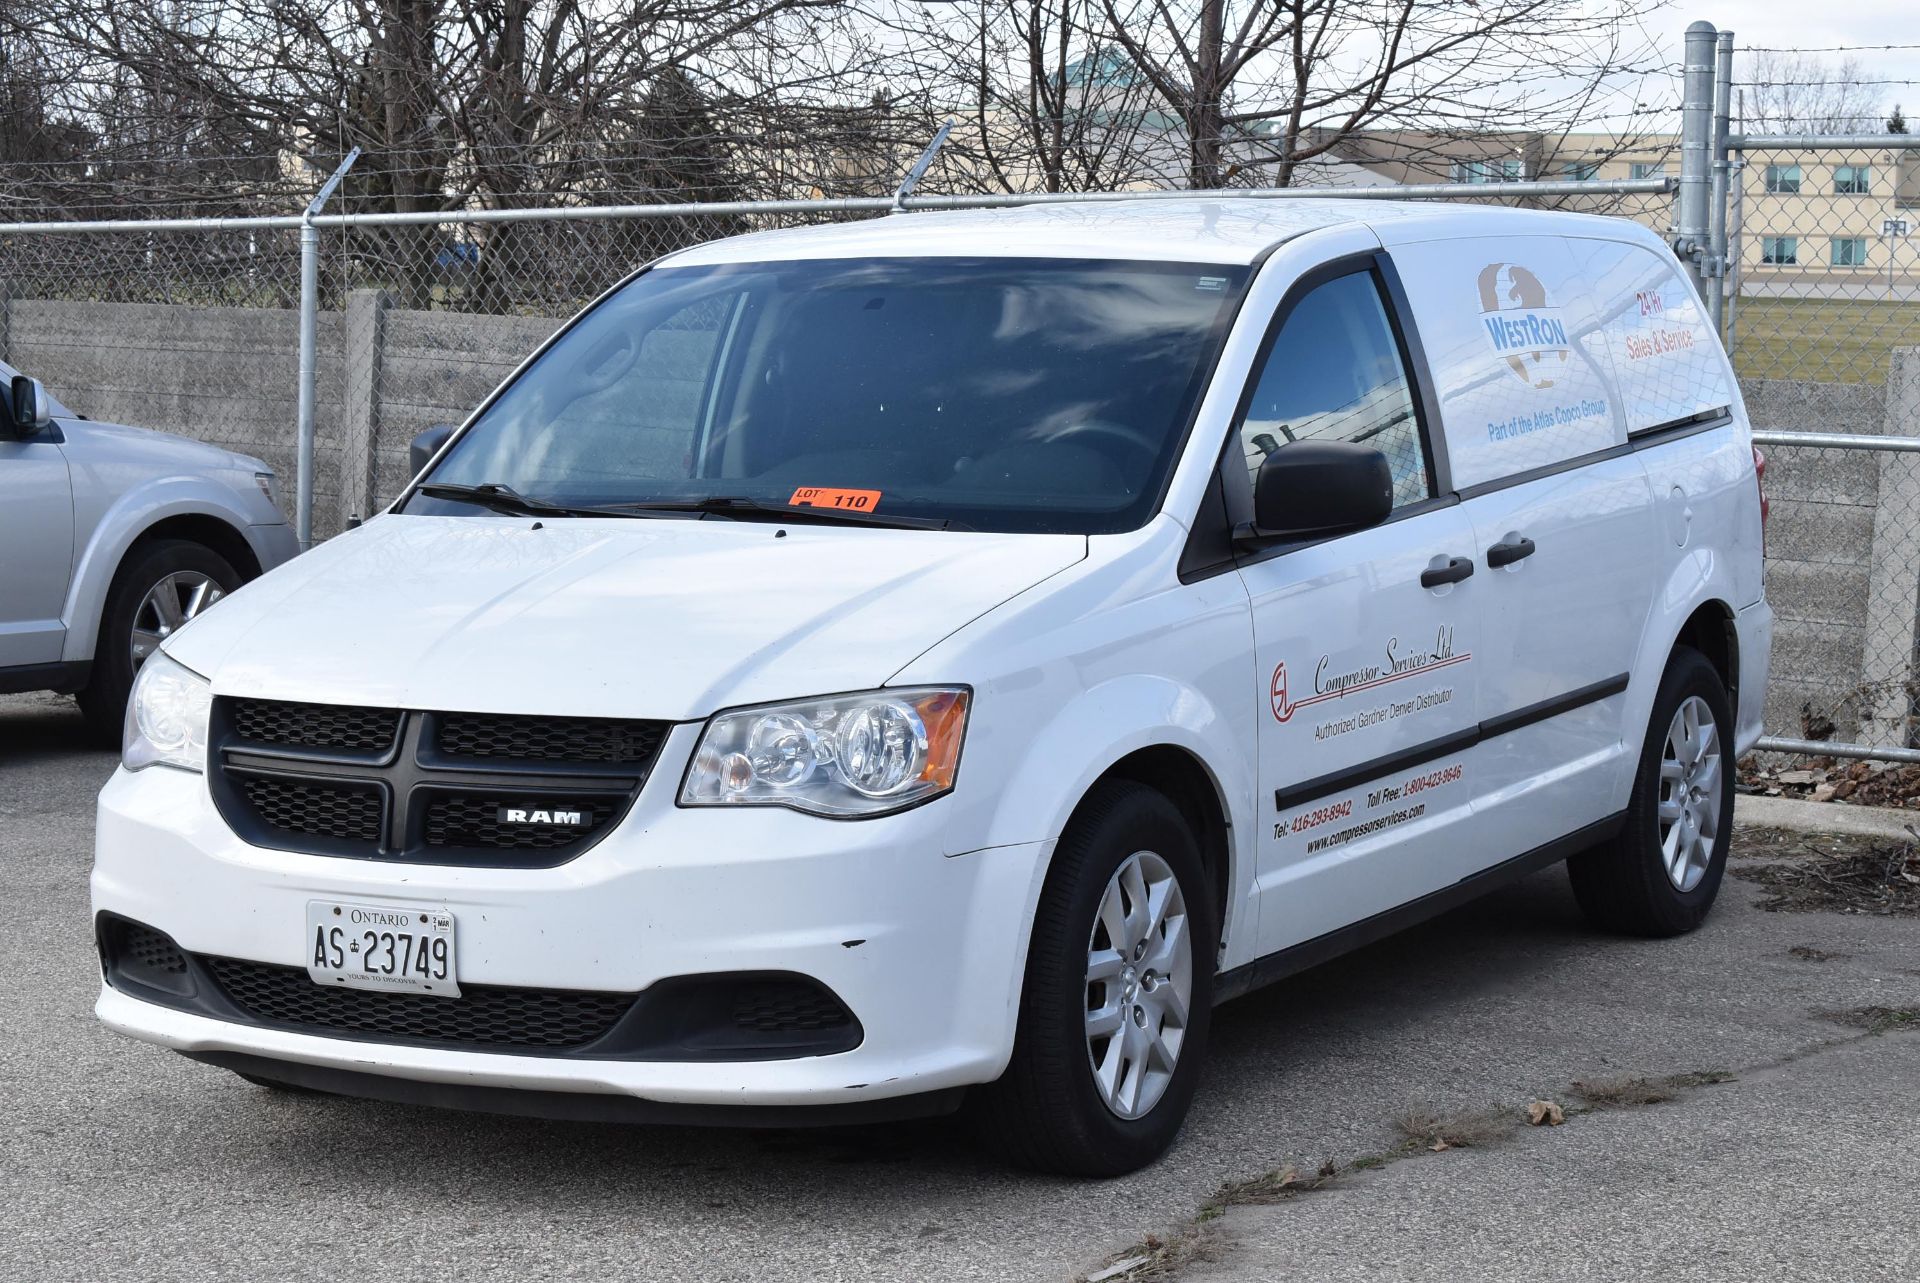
{"x":482,"y":1016}
{"x":143,"y":947}
{"x":760,"y":1015}
{"x":324,"y":726}
{"x":488,"y":822}
{"x":343,"y":813}
{"x":787,"y":1007}
{"x":549,"y":739}
{"x":441,"y":788}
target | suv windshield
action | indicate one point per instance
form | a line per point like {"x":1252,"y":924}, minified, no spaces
{"x":991,"y":394}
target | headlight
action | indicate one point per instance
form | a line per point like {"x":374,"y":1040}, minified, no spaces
{"x":267,"y":487}
{"x":167,"y":717}
{"x":844,"y":756}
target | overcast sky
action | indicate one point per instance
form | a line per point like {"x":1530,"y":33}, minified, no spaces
{"x":1801,"y":24}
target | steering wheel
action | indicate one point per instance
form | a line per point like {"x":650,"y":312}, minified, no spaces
{"x":601,"y":366}
{"x":1120,"y":432}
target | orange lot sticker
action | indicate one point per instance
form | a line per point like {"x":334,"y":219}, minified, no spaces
{"x":830,"y":497}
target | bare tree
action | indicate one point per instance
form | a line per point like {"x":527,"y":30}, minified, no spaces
{"x":1056,"y":101}
{"x":1799,"y":93}
{"x":1044,"y":98}
{"x":1263,"y":85}
{"x":455,"y":103}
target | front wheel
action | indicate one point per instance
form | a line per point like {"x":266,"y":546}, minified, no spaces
{"x":1118,"y":997}
{"x":1660,"y":875}
{"x":160,"y":587}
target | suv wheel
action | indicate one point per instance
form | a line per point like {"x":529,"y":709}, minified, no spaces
{"x":160,"y":587}
{"x":1118,"y":995}
{"x":1660,"y":875}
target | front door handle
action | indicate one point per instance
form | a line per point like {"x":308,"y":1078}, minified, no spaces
{"x":1456,"y":569}
{"x":1506,"y":552}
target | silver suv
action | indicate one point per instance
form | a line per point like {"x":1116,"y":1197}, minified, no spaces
{"x":112,"y":537}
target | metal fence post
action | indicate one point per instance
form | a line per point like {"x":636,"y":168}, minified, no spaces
{"x":308,"y":372}
{"x":1717,"y":214}
{"x":1690,"y":203}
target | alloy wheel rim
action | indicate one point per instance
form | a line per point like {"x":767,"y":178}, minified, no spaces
{"x":1139,"y":985}
{"x":169,"y":604}
{"x":1692,"y":782}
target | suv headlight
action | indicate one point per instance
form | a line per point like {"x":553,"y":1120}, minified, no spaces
{"x":167,"y":717}
{"x":841,"y":756}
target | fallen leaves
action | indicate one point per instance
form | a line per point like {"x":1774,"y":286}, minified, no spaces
{"x":1544,"y":1113}
{"x":1829,"y":779}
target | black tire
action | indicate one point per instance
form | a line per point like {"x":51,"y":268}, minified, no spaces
{"x":1623,"y":885}
{"x":1046,"y":1112}
{"x":110,"y":679}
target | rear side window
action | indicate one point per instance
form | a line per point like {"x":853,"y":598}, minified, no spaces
{"x":1334,"y":373}
{"x":1511,"y":331}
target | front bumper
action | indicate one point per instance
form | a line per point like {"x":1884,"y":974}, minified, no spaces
{"x":926,"y":949}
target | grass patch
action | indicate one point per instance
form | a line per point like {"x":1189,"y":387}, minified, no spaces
{"x":1834,"y":874}
{"x":1876,"y":1020}
{"x":1460,"y":1129}
{"x":1156,"y":1258}
{"x":1273,"y":1187}
{"x":1633,"y":1092}
{"x":1822,"y":340}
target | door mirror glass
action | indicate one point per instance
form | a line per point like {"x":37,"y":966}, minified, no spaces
{"x":32,"y":410}
{"x":420,"y":453}
{"x":1317,"y":488}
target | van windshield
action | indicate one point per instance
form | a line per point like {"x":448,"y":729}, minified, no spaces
{"x":990,"y":394}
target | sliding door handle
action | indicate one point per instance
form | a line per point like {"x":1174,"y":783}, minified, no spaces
{"x":1456,"y":569}
{"x":1508,"y":551}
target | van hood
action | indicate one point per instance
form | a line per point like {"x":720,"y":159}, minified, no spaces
{"x":668,"y":619}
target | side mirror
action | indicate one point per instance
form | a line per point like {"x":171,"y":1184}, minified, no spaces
{"x":1317,"y":488}
{"x":420,"y":453}
{"x":32,"y":410}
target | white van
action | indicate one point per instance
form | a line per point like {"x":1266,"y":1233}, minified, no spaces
{"x":853,"y":668}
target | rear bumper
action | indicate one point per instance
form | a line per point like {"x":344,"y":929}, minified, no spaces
{"x":1754,"y":631}
{"x":273,"y":545}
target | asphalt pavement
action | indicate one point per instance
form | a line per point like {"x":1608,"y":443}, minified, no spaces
{"x":121,"y":1160}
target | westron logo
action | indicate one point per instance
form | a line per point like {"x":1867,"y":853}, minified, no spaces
{"x":1524,"y":331}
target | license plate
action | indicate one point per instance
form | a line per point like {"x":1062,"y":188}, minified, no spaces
{"x":377,"y":946}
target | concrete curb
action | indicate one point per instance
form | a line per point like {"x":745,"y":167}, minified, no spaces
{"x":1800,"y":816}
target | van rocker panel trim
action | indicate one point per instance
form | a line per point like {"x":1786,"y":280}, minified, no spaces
{"x":1335,"y":781}
{"x":1311,"y":953}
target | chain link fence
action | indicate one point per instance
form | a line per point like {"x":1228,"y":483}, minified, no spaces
{"x":1820,"y":298}
{"x":1823,"y":282}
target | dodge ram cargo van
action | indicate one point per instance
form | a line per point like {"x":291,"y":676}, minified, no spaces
{"x":868,"y":670}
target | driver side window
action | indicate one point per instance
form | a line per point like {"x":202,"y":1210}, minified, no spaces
{"x":1334,"y":373}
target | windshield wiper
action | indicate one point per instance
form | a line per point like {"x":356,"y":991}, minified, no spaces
{"x":739,"y":506}
{"x":498,"y":497}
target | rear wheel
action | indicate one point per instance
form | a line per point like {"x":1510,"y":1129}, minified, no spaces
{"x":160,"y":587}
{"x":1660,"y":875}
{"x":1118,"y":995}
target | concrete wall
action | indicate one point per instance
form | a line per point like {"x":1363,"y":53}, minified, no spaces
{"x":223,"y":375}
{"x":1843,"y":556}
{"x":227,"y":376}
